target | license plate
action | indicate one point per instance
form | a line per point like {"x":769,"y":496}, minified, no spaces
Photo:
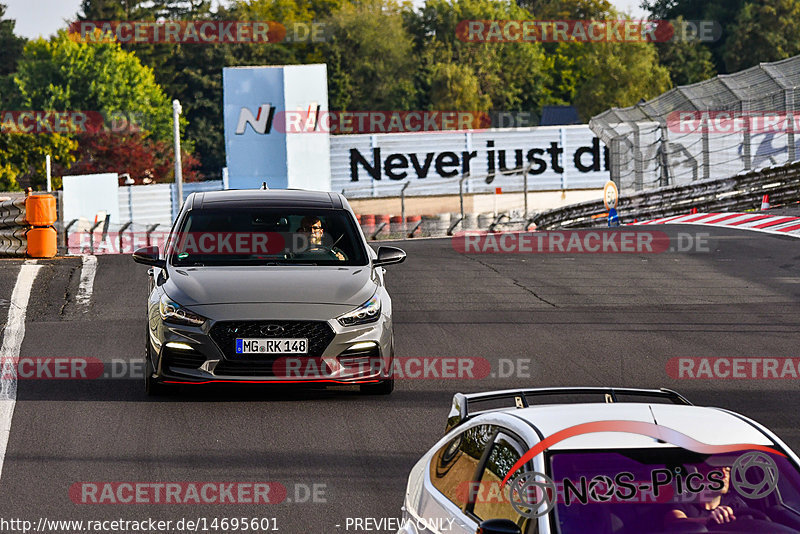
{"x":272,"y":346}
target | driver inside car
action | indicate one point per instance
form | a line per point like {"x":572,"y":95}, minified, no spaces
{"x":709,"y":507}
{"x":313,"y":227}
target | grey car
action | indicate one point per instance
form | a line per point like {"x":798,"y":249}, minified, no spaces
{"x":268,"y":287}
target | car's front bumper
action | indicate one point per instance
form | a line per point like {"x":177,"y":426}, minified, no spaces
{"x":342,"y":356}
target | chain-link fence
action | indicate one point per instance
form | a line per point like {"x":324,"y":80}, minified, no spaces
{"x":712,"y":129}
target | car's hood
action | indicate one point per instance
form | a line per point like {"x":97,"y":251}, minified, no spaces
{"x":350,"y":286}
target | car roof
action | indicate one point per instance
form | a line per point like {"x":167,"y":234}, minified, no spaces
{"x":711,"y":426}
{"x":295,"y":198}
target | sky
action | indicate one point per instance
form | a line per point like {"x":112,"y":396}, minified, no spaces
{"x":43,"y":17}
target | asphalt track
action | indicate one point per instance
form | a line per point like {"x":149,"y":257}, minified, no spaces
{"x":599,"y":319}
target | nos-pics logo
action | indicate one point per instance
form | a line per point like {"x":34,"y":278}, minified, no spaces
{"x":261,"y":122}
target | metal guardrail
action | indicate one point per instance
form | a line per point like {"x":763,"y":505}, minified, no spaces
{"x":743,"y":191}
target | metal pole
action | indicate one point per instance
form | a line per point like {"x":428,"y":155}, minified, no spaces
{"x":706,"y":125}
{"x":121,"y":230}
{"x":176,"y":132}
{"x":403,"y":205}
{"x":461,"y":193}
{"x":746,"y":155}
{"x":525,"y":189}
{"x":664,"y":178}
{"x":49,"y":173}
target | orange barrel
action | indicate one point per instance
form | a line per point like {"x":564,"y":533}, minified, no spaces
{"x":40,"y":210}
{"x":368,"y":225}
{"x":396,"y":225}
{"x":42,"y":242}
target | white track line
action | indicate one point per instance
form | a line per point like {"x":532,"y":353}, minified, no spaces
{"x":13,"y":335}
{"x":88,"y":272}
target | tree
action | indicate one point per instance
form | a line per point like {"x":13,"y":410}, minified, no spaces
{"x":568,"y":9}
{"x":510,"y":76}
{"x":375,"y":54}
{"x":615,"y":75}
{"x":96,"y":10}
{"x":766,"y":30}
{"x":455,"y":87}
{"x":65,"y":74}
{"x":131,"y":153}
{"x":97,"y":77}
{"x":686,"y":62}
{"x":723,"y":12}
{"x":11,"y":45}
{"x":10,"y":49}
{"x":22,"y":158}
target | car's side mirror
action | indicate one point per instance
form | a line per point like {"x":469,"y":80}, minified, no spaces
{"x":149,"y":256}
{"x":498,"y":526}
{"x":389,"y":255}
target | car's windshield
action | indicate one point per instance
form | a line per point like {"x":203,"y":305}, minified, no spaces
{"x":256,"y":236}
{"x":674,"y":490}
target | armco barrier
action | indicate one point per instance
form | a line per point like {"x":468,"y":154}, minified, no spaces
{"x":26,"y":227}
{"x":740,"y":192}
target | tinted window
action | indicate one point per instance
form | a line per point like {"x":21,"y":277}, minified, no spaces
{"x":267,"y":236}
{"x":454,"y":466}
{"x":760,"y":488}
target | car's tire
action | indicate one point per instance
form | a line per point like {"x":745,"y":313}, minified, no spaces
{"x":384,"y":387}
{"x":152,"y":386}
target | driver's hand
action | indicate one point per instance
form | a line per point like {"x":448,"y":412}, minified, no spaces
{"x":339,"y":255}
{"x":722,"y":514}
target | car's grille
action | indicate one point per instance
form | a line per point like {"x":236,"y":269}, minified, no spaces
{"x":228,"y":368}
{"x":225,"y":333}
{"x":303,"y":368}
{"x":184,"y":359}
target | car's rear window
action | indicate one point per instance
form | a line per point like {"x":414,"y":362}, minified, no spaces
{"x":253,"y":236}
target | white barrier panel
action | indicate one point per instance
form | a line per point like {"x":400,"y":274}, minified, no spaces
{"x":379,"y":165}
{"x":257,"y":146}
{"x":86,"y":195}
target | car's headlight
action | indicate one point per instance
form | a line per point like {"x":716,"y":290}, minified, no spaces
{"x":172,"y":312}
{"x":369,"y":312}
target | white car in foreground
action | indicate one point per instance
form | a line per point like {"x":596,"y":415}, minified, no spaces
{"x":601,"y":461}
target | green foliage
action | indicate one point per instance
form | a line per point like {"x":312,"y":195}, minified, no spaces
{"x":686,"y":62}
{"x":722,"y":12}
{"x":766,"y":30}
{"x":96,"y":10}
{"x":64,"y":74}
{"x":455,"y":87}
{"x":374,"y":52}
{"x":11,"y":47}
{"x":510,"y":76}
{"x":22,"y":158}
{"x":615,"y":75}
{"x":10,"y":44}
{"x":382,"y":55}
{"x":568,"y":9}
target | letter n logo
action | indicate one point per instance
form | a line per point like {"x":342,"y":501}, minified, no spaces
{"x":261,"y":123}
